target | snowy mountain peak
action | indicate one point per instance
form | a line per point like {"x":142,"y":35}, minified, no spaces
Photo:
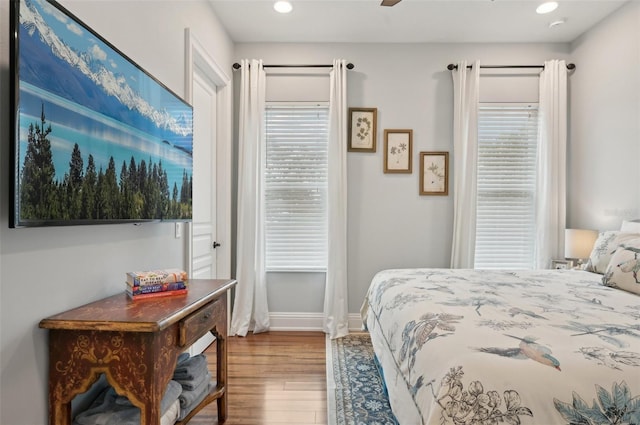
{"x":98,"y":71}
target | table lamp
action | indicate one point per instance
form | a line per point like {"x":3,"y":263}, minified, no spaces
{"x":578,"y":244}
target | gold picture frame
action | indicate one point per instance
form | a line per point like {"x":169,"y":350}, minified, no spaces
{"x":434,"y":173}
{"x":398,"y":151}
{"x":363,"y":127}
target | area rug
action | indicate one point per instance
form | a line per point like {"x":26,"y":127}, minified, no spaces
{"x":355,"y":392}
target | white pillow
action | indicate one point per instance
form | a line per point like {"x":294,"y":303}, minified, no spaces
{"x":604,"y":248}
{"x":630,"y":226}
{"x":624,"y":268}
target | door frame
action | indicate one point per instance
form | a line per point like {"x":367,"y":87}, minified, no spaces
{"x":197,"y":57}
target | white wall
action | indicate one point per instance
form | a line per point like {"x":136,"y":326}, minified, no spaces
{"x":604,"y":144}
{"x":389,"y":224}
{"x":44,"y":271}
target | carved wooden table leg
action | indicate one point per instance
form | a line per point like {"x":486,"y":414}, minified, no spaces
{"x":70,"y":372}
{"x":221,"y":373}
{"x":158,"y":355}
{"x":59,"y":411}
{"x":221,"y":362}
{"x":138,"y":366}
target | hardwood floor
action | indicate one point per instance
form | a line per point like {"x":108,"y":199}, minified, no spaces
{"x":275,"y":378}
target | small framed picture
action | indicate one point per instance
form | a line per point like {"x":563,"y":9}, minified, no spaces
{"x":561,"y":264}
{"x":398,"y":151}
{"x":362,"y":129}
{"x":434,"y":173}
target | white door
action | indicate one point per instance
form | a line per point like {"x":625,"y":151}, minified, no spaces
{"x":208,"y":89}
{"x":204,"y":177}
{"x":203,"y":231}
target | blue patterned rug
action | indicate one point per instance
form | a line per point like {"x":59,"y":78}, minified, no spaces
{"x":355,"y":393}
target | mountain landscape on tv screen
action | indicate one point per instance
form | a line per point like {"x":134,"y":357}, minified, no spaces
{"x":98,"y":139}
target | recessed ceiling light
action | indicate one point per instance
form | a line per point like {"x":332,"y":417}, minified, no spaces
{"x":547,"y":7}
{"x":283,"y":6}
{"x":556,"y":23}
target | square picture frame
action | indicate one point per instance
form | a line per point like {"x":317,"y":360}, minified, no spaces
{"x":398,"y":151}
{"x":434,"y":173}
{"x":562,"y":264}
{"x":363,"y":127}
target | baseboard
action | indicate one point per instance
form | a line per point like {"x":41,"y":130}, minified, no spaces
{"x":306,"y":322}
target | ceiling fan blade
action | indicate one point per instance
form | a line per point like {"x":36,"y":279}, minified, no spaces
{"x":389,"y":2}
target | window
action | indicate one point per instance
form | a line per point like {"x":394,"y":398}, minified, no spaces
{"x":296,"y":186}
{"x":507,"y":148}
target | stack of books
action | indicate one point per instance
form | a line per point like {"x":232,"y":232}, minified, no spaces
{"x":156,"y":283}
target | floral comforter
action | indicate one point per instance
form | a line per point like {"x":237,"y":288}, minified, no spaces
{"x":515,"y":347}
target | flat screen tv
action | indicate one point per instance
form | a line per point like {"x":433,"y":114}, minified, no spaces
{"x":95,"y":138}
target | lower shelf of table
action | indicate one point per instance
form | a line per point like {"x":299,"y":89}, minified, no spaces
{"x":215,"y":394}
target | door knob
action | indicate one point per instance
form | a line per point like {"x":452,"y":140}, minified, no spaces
{"x":215,"y":245}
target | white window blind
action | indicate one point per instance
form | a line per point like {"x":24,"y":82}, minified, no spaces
{"x":507,"y":146}
{"x":296,"y":187}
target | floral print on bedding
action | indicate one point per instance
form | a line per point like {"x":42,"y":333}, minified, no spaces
{"x":474,"y":347}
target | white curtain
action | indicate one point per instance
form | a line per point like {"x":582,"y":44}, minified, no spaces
{"x":336,"y":308}
{"x":552,"y":157}
{"x":465,"y":157}
{"x":250,"y":305}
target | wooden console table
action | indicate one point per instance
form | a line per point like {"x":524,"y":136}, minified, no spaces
{"x":136,"y":345}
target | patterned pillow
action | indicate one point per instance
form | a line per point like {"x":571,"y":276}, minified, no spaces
{"x":605,"y":246}
{"x":624,"y":269}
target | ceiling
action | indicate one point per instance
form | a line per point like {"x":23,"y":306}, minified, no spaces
{"x":410,"y":21}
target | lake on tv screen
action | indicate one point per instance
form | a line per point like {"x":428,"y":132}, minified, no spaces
{"x":102,"y":137}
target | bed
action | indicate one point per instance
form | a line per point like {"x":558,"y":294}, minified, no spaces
{"x":515,"y":347}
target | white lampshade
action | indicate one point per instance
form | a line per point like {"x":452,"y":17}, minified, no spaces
{"x":283,"y":6}
{"x":578,"y":243}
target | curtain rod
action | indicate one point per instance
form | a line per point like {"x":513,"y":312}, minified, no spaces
{"x":451,"y":66}
{"x":349,"y":66}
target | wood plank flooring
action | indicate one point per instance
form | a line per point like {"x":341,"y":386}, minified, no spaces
{"x":274,"y":378}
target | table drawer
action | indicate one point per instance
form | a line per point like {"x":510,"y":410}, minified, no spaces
{"x":199,"y":322}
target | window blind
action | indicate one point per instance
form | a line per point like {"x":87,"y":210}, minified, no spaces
{"x":507,"y":148}
{"x":296,"y":187}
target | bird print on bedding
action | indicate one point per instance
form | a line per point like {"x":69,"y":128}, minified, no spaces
{"x":527,"y":349}
{"x":609,"y":333}
{"x":416,"y":334}
{"x":632,"y":265}
{"x":515,"y":311}
{"x":614,"y":359}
